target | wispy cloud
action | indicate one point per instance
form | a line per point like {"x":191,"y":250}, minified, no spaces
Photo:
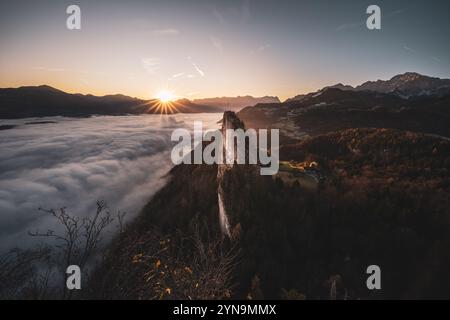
{"x":85,"y":81}
{"x":346,"y":26}
{"x":53,"y":69}
{"x":436,"y":59}
{"x":178,"y":75}
{"x":422,"y":55}
{"x":245,"y":10}
{"x":240,"y":11}
{"x":217,"y":43}
{"x":175,"y":76}
{"x":263,"y":47}
{"x":57,"y":69}
{"x":395,"y":13}
{"x":409,"y":49}
{"x":151,"y":65}
{"x":200,"y":71}
{"x":166,"y":32}
{"x":216,"y":13}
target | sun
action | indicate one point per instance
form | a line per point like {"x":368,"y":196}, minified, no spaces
{"x":166,"y":96}
{"x":166,"y":102}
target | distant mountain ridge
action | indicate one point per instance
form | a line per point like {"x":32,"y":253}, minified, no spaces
{"x":409,"y":84}
{"x":333,"y":108}
{"x":41,"y":101}
{"x":236,"y":103}
{"x":46,"y":101}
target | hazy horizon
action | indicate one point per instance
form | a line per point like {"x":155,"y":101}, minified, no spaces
{"x":200,"y":98}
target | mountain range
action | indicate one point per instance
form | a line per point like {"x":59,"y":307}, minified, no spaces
{"x":236,"y":103}
{"x":45,"y":101}
{"x":401,"y":90}
{"x":408,"y":102}
{"x":409,"y":84}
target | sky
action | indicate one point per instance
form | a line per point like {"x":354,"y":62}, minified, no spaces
{"x":199,"y":48}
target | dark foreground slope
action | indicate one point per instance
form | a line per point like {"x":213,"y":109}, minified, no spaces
{"x":156,"y":252}
{"x":384,"y":201}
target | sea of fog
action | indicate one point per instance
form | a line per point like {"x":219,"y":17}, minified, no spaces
{"x":59,"y":162}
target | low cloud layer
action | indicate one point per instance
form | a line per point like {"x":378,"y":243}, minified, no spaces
{"x":74,"y":162}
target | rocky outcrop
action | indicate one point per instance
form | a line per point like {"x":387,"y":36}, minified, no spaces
{"x":229,"y":121}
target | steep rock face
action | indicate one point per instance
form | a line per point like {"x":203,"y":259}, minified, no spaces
{"x":230,"y":121}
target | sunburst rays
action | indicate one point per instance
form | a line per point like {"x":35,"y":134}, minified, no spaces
{"x":163,"y":107}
